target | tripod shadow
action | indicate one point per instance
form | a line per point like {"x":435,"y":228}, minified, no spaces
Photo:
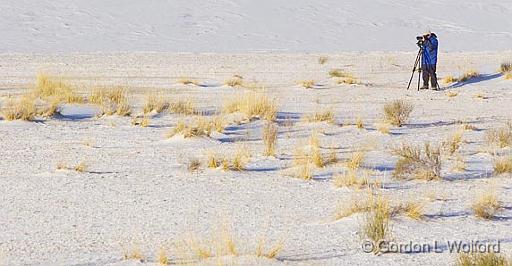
{"x":479,"y":78}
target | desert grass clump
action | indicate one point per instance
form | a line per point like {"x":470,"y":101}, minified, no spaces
{"x":198,"y":128}
{"x":20,"y":109}
{"x":486,"y":206}
{"x":397,"y":112}
{"x":321,"y":116}
{"x":454,"y":142}
{"x":315,"y":152}
{"x":303,"y":164}
{"x":376,"y":223}
{"x":338,"y":73}
{"x":134,"y":254}
{"x":193,"y":165}
{"x":506,"y":67}
{"x":502,"y":137}
{"x":236,"y":81}
{"x":503,"y":165}
{"x":188,"y":81}
{"x":482,"y":259}
{"x":240,"y":159}
{"x":162,"y":258}
{"x":47,"y":86}
{"x":471,"y":74}
{"x":508,"y":76}
{"x":253,"y":105}
{"x":355,"y":205}
{"x":183,"y":107}
{"x":359,"y":123}
{"x":154,"y":103}
{"x":307,"y":84}
{"x":270,"y":138}
{"x":452,"y":94}
{"x":355,"y":160}
{"x":350,"y":179}
{"x":270,"y":253}
{"x":112,"y":101}
{"x":81,"y":167}
{"x":411,"y":209}
{"x":322,"y":60}
{"x":449,"y":79}
{"x":383,"y":127}
{"x":417,"y":163}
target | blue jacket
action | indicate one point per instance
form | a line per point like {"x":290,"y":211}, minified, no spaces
{"x":430,"y":51}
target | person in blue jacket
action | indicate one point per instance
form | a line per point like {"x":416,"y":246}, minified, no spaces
{"x":429,"y":60}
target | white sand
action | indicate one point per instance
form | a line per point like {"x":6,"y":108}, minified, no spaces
{"x":63,"y":26}
{"x":138,"y":193}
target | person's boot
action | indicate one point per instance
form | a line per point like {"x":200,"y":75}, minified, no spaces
{"x":424,"y":87}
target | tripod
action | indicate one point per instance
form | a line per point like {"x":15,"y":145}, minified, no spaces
{"x":416,"y":64}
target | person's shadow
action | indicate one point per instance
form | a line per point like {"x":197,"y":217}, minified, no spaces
{"x":479,"y":78}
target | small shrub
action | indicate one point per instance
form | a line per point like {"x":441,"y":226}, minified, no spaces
{"x":196,"y":129}
{"x":162,"y":258}
{"x":184,"y":107}
{"x":155,"y":103}
{"x":397,"y":112}
{"x":418,"y":163}
{"x":506,"y":67}
{"x":355,"y":160}
{"x":454,"y":142}
{"x":471,"y":74}
{"x":322,"y":60}
{"x":482,"y":259}
{"x":502,"y":137}
{"x":308,"y":84}
{"x":503,"y":165}
{"x":321,"y":116}
{"x":194,"y":165}
{"x":359,"y":123}
{"x":47,"y":86}
{"x":508,"y":76}
{"x":21,"y":109}
{"x":80,"y":167}
{"x":384,"y":128}
{"x":486,"y":206}
{"x":234,"y":82}
{"x":338,"y":73}
{"x":303,"y":164}
{"x":413,"y":210}
{"x":376,"y":224}
{"x":449,"y":79}
{"x":270,"y":138}
{"x":252,"y":105}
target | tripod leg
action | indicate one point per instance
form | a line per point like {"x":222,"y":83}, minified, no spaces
{"x":414,"y":69}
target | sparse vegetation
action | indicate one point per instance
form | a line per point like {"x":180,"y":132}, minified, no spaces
{"x":338,"y":73}
{"x":486,"y":206}
{"x":81,"y":167}
{"x":502,"y":136}
{"x":506,"y":67}
{"x":355,"y":160}
{"x":236,"y":81}
{"x":376,"y":224}
{"x":134,"y":254}
{"x":197,"y":128}
{"x":449,"y":79}
{"x":154,"y":102}
{"x":411,"y":209}
{"x":183,"y":107}
{"x":112,"y":101}
{"x":471,"y":74}
{"x":270,"y":138}
{"x":252,"y":105}
{"x":397,"y":112}
{"x":359,"y":123}
{"x":47,"y":86}
{"x":321,"y":116}
{"x":418,"y":163}
{"x":383,"y":127}
{"x":20,"y":109}
{"x":482,"y":259}
{"x":308,"y":84}
{"x":508,"y":76}
{"x":322,"y":60}
{"x":452,"y":94}
{"x":193,"y":165}
{"x":503,"y":165}
{"x":188,"y":81}
{"x":453,"y":143}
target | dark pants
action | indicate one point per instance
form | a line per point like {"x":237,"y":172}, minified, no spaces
{"x":429,"y":72}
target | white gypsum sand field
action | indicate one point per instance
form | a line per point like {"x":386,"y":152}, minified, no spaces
{"x":80,"y":189}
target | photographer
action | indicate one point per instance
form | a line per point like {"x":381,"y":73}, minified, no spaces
{"x":429,"y":60}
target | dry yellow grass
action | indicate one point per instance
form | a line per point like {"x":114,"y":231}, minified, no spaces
{"x":506,"y":67}
{"x":234,"y":82}
{"x":270,"y":138}
{"x":253,"y":105}
{"x":468,"y":75}
{"x":348,"y":80}
{"x":50,"y":108}
{"x":134,"y":254}
{"x":338,"y":73}
{"x":355,"y":160}
{"x":81,"y":167}
{"x":356,"y":205}
{"x":486,"y":206}
{"x":184,"y":107}
{"x":321,"y":116}
{"x":322,"y":60}
{"x":308,"y":84}
{"x":453,"y":143}
{"x":501,"y":137}
{"x":508,"y":76}
{"x":359,"y":123}
{"x":269,"y":253}
{"x":452,"y":94}
{"x":188,"y":81}
{"x":349,"y":179}
{"x":302,"y":163}
{"x":397,"y":112}
{"x":163,"y":259}
{"x":503,"y":165}
{"x":154,"y":102}
{"x":411,"y":209}
{"x":383,"y":127}
{"x":482,"y":259}
{"x":376,"y":223}
{"x":449,"y":79}
{"x":199,"y":127}
{"x":111,"y":100}
{"x":20,"y":109}
{"x":48,"y":86}
{"x":417,"y":163}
